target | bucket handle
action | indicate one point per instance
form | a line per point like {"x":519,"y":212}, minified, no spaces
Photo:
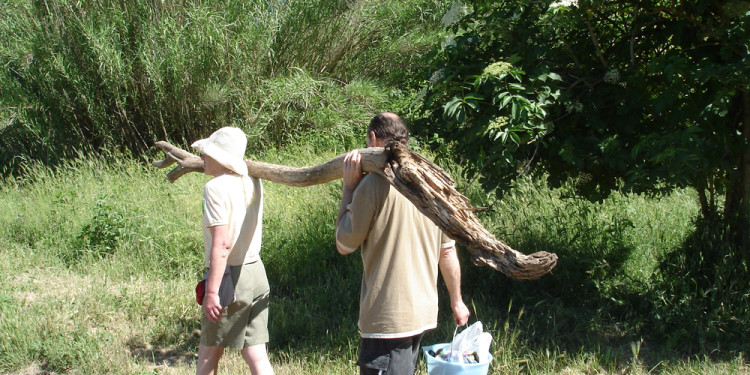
{"x":458,"y":357}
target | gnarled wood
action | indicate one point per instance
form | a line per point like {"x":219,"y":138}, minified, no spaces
{"x":421,"y":181}
{"x":373,"y":160}
{"x":433,"y":192}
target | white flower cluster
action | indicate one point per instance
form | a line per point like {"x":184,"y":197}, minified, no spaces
{"x":437,"y":76}
{"x":498,"y":123}
{"x":497,"y":69}
{"x":574,"y":107}
{"x":564,"y":3}
{"x":457,"y":10}
{"x":612,"y":76}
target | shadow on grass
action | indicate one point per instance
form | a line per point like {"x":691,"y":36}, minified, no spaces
{"x":315,"y":290}
{"x":703,"y":300}
{"x":696,"y":307}
{"x":179,"y":346}
{"x":163,"y":357}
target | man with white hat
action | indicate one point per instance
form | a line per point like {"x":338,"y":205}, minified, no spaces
{"x":232,"y":215}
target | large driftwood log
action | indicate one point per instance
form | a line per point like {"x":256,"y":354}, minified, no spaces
{"x":434,"y":193}
{"x":373,"y":160}
{"x":422,"y":182}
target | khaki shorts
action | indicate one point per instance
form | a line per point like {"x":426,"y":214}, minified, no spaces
{"x":246,"y":320}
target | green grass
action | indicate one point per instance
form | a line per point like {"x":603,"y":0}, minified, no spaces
{"x":99,"y":258}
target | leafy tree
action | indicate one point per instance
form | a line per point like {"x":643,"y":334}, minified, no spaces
{"x":640,"y":95}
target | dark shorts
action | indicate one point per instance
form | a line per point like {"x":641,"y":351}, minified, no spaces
{"x":391,"y":356}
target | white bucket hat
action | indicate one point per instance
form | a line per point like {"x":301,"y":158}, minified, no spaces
{"x":226,"y":146}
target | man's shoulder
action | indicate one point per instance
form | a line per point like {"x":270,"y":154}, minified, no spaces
{"x":372,"y":189}
{"x":218,"y":180}
{"x":374,"y":181}
{"x":221,"y":184}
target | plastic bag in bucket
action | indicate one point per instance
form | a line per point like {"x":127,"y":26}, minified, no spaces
{"x":437,"y":366}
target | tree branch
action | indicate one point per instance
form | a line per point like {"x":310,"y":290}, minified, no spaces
{"x":595,"y":41}
{"x":431,"y":190}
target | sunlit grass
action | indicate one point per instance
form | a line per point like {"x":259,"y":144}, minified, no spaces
{"x":100,"y":256}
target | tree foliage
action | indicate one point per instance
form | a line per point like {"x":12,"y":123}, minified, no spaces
{"x":637,"y":96}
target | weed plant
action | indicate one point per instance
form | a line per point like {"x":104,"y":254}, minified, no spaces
{"x":317,"y":112}
{"x":100,"y":256}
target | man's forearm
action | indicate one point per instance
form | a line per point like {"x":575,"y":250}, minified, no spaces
{"x":216,"y":270}
{"x":450,"y":269}
{"x":217,"y":258}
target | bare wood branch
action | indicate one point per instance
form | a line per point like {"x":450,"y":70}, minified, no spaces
{"x":597,"y":48}
{"x":425,"y":184}
{"x":373,"y":160}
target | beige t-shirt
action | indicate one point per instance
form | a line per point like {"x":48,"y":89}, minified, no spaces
{"x":238,"y":203}
{"x":400,"y":250}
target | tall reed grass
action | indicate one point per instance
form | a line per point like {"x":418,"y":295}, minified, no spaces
{"x":121,"y":75}
{"x":352,"y":39}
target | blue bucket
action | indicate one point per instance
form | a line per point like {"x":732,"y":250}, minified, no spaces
{"x":436,"y":366}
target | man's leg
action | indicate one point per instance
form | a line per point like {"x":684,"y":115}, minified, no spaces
{"x":256,"y":357}
{"x":208,"y":359}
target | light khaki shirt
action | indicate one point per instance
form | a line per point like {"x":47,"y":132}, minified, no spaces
{"x":400,"y":250}
{"x":238,"y":203}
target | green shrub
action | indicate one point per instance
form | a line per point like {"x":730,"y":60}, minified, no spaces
{"x":608,"y":257}
{"x":103,"y":234}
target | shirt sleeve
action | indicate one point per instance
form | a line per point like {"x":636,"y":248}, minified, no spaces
{"x":215,"y":207}
{"x":355,"y":224}
{"x":446,"y":242}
